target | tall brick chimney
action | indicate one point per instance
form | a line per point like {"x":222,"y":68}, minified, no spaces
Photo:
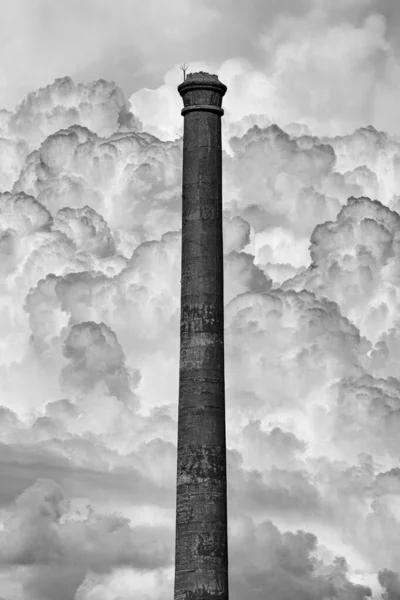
{"x":201,"y":552}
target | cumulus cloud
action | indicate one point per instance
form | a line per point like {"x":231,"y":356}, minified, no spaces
{"x":99,"y":105}
{"x":130,"y":178}
{"x":87,"y":229}
{"x":356,"y":257}
{"x":306,"y":343}
{"x":99,"y":297}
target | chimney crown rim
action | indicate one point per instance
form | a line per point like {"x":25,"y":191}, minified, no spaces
{"x":202,"y":80}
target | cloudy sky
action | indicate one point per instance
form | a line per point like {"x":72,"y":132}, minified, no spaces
{"x":90,"y":211}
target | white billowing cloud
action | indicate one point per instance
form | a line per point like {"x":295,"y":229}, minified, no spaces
{"x":243,"y":275}
{"x":294,"y":180}
{"x":354,"y":263}
{"x":294,"y":345}
{"x":236,"y":234}
{"x":278,"y":245}
{"x":130,"y":178}
{"x":363,"y":417}
{"x":12,"y":156}
{"x":99,"y":105}
{"x":370,"y":159}
{"x":87,"y":229}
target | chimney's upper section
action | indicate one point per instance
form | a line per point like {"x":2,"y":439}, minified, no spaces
{"x":202,"y":91}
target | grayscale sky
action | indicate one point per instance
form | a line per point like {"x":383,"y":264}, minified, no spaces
{"x":90,"y":243}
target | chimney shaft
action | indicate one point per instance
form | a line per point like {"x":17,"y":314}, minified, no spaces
{"x":201,"y":552}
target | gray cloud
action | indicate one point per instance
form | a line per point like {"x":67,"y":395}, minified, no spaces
{"x":60,"y":550}
{"x":390,"y":581}
{"x":282,"y":564}
{"x":21,"y":466}
{"x":96,"y":358}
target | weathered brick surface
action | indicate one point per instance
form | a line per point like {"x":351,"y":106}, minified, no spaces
{"x":201,"y":556}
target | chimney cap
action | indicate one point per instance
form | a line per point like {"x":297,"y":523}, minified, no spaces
{"x":202,"y":76}
{"x":202,"y":80}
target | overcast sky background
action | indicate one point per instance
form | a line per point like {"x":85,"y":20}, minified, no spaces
{"x":90,"y":219}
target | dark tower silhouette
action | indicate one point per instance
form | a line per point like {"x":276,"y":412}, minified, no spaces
{"x":201,"y":552}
